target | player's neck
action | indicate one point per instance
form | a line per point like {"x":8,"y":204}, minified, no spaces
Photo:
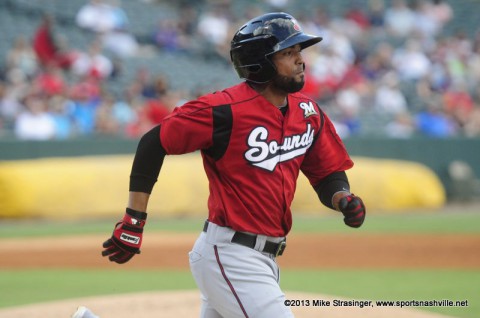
{"x":275,"y":97}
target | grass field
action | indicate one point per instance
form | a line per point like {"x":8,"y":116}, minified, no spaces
{"x":30,"y":286}
{"x":458,"y":220}
{"x":23,"y":285}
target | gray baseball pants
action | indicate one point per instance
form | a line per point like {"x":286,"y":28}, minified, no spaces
{"x":235,"y":280}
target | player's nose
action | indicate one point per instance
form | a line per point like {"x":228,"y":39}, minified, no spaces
{"x":299,"y":58}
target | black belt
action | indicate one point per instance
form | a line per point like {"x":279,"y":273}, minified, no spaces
{"x":249,"y":240}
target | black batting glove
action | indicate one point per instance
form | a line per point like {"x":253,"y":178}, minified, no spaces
{"x":353,"y":210}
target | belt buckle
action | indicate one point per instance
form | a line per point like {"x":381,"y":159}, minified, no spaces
{"x":281,"y":247}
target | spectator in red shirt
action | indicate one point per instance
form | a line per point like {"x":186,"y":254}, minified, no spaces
{"x":45,"y":46}
{"x":51,"y":80}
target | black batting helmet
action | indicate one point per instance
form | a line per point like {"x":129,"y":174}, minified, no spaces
{"x":254,"y":43}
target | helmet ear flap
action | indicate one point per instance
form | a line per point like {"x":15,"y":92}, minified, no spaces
{"x":264,"y":73}
{"x":251,"y":60}
{"x":261,"y":72}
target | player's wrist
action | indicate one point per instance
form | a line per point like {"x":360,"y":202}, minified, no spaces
{"x":337,"y":196}
{"x":134,"y":218}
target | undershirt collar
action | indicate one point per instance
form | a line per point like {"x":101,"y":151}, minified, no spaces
{"x":284,"y":108}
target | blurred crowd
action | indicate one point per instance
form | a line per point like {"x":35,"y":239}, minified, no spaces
{"x":384,"y":69}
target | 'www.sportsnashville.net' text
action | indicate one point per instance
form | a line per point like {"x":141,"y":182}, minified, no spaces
{"x":376,"y":303}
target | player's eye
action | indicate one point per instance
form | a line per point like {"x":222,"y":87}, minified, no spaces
{"x":293,"y":50}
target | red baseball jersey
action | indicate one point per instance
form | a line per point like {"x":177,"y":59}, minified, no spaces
{"x":252,"y":154}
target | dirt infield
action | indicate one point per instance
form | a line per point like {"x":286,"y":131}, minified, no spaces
{"x":303,"y":251}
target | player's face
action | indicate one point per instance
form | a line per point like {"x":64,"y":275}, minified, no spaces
{"x":290,"y":66}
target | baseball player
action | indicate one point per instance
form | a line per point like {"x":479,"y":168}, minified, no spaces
{"x":254,"y":138}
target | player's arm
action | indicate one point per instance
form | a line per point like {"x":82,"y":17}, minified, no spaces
{"x":324,"y":166}
{"x":146,"y":167}
{"x":187,"y":129}
{"x":334,"y":192}
{"x":332,"y":188}
{"x":128,"y":233}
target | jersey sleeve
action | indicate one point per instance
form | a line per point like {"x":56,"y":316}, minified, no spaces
{"x":327,"y":154}
{"x":188,"y":128}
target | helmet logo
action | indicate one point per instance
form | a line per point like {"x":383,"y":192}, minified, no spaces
{"x":272,"y":26}
{"x":296,"y":26}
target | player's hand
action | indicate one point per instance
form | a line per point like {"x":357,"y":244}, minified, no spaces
{"x":127,"y":237}
{"x":353,"y":210}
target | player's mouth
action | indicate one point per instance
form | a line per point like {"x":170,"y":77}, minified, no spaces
{"x":300,"y":74}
